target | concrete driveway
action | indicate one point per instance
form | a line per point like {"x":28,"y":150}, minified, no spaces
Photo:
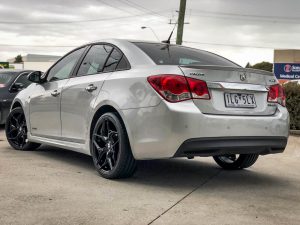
{"x":55,"y":186}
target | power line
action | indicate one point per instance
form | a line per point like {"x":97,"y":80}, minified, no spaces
{"x":188,"y":42}
{"x":115,"y":7}
{"x":74,"y":21}
{"x":139,"y":7}
{"x":272,"y":19}
{"x":250,"y":15}
{"x":228,"y":45}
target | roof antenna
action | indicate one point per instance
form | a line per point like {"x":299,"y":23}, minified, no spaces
{"x":169,"y":39}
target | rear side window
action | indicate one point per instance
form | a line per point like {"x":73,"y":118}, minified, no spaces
{"x":123,"y":64}
{"x":94,"y":60}
{"x":113,"y":60}
{"x":116,"y":61}
{"x":163,"y":54}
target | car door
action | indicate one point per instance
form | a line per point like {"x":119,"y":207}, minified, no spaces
{"x":45,"y":100}
{"x":8,"y":91}
{"x":22,"y":80}
{"x":81,"y":91}
{"x":19,"y":83}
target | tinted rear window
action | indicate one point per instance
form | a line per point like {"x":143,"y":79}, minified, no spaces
{"x":6,"y":77}
{"x":163,"y":54}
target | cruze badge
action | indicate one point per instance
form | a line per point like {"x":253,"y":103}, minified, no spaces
{"x":243,"y":76}
{"x":196,"y":74}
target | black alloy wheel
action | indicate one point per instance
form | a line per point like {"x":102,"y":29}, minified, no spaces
{"x":110,"y":148}
{"x":16,"y":131}
{"x":235,"y":162}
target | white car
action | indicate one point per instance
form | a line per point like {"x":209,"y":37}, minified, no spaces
{"x":121,"y":101}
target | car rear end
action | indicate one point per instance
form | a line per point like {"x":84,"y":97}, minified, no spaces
{"x":211,"y":106}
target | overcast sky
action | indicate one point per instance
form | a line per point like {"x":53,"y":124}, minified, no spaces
{"x":241,"y":30}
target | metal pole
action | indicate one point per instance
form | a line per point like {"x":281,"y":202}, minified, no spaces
{"x":180,"y":25}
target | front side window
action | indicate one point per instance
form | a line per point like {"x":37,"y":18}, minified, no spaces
{"x":63,"y":69}
{"x":23,"y":80}
{"x":94,"y":60}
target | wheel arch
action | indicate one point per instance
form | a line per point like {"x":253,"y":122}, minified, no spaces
{"x":105,"y":109}
{"x":15,"y":105}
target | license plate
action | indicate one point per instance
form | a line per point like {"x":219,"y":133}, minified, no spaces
{"x":238,"y":100}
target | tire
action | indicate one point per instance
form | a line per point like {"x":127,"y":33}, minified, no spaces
{"x":231,"y":162}
{"x":110,"y":148}
{"x":16,"y":131}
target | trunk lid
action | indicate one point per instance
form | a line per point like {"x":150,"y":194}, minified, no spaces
{"x":233,"y":90}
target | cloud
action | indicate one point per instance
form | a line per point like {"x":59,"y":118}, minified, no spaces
{"x":215,"y":25}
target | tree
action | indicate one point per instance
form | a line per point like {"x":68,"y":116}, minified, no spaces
{"x":263,"y":66}
{"x":248,"y":65}
{"x":292,"y":91}
{"x":18,"y":59}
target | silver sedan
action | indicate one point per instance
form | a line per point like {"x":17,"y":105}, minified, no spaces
{"x":121,"y":101}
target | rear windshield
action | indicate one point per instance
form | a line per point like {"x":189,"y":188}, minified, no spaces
{"x":163,"y":54}
{"x":6,"y":77}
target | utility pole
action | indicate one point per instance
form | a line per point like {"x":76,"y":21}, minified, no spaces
{"x":180,"y":25}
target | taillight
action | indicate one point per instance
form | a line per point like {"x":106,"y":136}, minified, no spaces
{"x":176,"y":88}
{"x":276,"y":94}
{"x":171,"y":87}
{"x":198,"y":88}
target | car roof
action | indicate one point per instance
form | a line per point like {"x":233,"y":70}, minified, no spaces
{"x":14,"y":71}
{"x":121,"y":41}
{"x":134,"y":54}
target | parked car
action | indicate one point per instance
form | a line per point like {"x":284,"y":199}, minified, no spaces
{"x":11,"y":82}
{"x":121,"y":101}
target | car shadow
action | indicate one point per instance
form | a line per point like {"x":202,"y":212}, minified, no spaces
{"x":2,"y":132}
{"x":173,"y":173}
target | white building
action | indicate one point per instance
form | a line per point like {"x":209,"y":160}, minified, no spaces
{"x":35,"y":62}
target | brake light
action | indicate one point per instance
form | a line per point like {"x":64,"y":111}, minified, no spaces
{"x":198,"y":88}
{"x":171,"y":87}
{"x":176,"y":88}
{"x":276,"y":94}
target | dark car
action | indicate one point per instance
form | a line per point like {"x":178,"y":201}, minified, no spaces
{"x":11,"y":82}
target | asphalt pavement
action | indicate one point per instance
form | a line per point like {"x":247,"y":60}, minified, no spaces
{"x":56,"y":186}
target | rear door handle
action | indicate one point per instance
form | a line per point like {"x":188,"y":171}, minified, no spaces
{"x":91,"y":88}
{"x":55,"y":93}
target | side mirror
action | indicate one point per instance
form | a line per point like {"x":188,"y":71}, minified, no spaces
{"x":35,"y":77}
{"x":16,"y":87}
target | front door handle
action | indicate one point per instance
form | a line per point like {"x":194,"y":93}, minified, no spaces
{"x":91,"y":88}
{"x":55,"y":93}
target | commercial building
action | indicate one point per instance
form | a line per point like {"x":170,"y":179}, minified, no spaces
{"x":287,"y":64}
{"x":34,"y":62}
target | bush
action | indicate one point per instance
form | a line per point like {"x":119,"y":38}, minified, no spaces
{"x":292,"y":91}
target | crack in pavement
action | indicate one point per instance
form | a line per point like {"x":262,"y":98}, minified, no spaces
{"x":184,"y":197}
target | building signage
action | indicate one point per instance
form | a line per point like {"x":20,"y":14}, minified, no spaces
{"x":4,"y":65}
{"x":287,"y":71}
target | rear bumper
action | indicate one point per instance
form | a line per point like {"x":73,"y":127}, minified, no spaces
{"x":231,"y":145}
{"x":158,"y":132}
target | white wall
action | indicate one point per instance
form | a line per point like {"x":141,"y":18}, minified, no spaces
{"x":42,"y":66}
{"x":17,"y":66}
